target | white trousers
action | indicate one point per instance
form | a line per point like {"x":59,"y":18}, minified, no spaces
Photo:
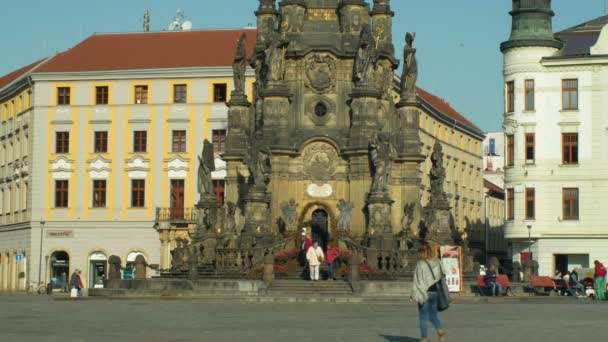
{"x":314,"y":272}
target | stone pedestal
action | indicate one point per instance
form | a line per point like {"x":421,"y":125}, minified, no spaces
{"x":439,"y":226}
{"x":276,"y":113}
{"x":364,"y":108}
{"x":239,"y":122}
{"x":257,"y":219}
{"x":206,"y":217}
{"x":379,"y":228}
{"x":406,"y":125}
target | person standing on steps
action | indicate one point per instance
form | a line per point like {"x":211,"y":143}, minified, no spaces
{"x":304,"y":247}
{"x":424,"y":291}
{"x":332,"y":256}
{"x":315,"y":258}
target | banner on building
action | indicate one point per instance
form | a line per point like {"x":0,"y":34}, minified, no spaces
{"x":451,"y":258}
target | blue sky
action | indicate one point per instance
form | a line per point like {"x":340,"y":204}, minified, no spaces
{"x":457,"y":41}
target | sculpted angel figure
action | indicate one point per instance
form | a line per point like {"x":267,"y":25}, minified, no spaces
{"x":206,"y":165}
{"x":366,"y":58}
{"x":239,"y":65}
{"x":381,"y":155}
{"x":344,"y":219}
{"x":410,"y":69}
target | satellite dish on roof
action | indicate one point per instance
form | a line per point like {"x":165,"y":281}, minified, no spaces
{"x":187,"y":25}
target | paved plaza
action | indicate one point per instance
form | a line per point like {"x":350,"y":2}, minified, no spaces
{"x":39,"y":318}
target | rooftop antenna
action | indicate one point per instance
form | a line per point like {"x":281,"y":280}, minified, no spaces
{"x":147,"y":21}
{"x":180,"y":22}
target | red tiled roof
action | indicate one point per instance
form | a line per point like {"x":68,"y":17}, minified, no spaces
{"x":492,"y":187}
{"x":151,"y":50}
{"x":8,"y":78}
{"x":444,"y":107}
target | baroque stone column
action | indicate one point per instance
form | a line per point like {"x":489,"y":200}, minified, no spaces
{"x":239,"y":123}
{"x":276,"y":114}
{"x":382,"y":19}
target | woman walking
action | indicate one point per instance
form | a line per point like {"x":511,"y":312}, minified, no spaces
{"x":426,"y":277}
{"x":315,"y":258}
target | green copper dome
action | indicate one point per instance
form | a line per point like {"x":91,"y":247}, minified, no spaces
{"x":532,"y":25}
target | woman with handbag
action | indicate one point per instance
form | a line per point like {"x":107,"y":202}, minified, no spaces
{"x":427,"y":289}
{"x":315,"y":258}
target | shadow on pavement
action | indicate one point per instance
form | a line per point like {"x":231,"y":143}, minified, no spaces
{"x":399,"y":338}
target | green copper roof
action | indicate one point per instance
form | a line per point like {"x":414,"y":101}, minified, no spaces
{"x":532,"y":25}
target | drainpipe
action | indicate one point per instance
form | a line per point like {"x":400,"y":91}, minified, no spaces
{"x":40,"y":254}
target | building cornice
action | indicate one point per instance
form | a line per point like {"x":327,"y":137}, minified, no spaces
{"x":177,"y":73}
{"x":581,"y":60}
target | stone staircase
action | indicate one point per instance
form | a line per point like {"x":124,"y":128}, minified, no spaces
{"x":295,"y":288}
{"x":205,"y":271}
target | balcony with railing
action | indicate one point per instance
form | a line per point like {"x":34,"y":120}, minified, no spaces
{"x":176,"y":215}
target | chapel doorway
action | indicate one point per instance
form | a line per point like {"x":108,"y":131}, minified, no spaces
{"x":319,"y":225}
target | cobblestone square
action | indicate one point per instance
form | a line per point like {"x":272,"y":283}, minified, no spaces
{"x":40,"y":318}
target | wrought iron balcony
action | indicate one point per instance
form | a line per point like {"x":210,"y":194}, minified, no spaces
{"x":176,"y":215}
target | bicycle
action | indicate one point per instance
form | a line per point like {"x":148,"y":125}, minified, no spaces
{"x":32,"y":288}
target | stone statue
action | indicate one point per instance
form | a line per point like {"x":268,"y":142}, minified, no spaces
{"x":147,"y":21}
{"x":366,"y":58}
{"x":289,"y":214}
{"x":437,"y":175}
{"x":408,"y":216}
{"x":230,"y":217}
{"x":275,"y":56}
{"x":410,"y":69}
{"x":381,"y":155}
{"x":206,"y":165}
{"x":293,"y":18}
{"x":240,"y":64}
{"x":114,"y":263}
{"x":261,"y":169}
{"x":345,"y":209}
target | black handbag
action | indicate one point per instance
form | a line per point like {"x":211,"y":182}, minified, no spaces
{"x":443,"y":293}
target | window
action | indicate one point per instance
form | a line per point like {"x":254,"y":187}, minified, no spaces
{"x":570,"y":148}
{"x":530,"y":203}
{"x":180,"y":93}
{"x":219,"y":92}
{"x":510,"y":150}
{"x":101,"y":142}
{"x":101,"y":95}
{"x":219,"y":139}
{"x":99,"y":193}
{"x":62,"y":142}
{"x":510,"y":204}
{"x":570,"y":207}
{"x":140,"y":141}
{"x":138,"y":193}
{"x":141,"y":94}
{"x":219,"y":187}
{"x":529,"y":92}
{"x":492,"y":150}
{"x":530,"y":147}
{"x":510,"y":97}
{"x":179,"y":141}
{"x":63,"y":96}
{"x":61,"y":194}
{"x":570,"y":94}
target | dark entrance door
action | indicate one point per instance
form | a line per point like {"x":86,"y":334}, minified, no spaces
{"x":319,"y":227}
{"x":177,"y":199}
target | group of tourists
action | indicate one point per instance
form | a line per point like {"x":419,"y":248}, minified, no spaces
{"x":575,"y":286}
{"x":315,"y":257}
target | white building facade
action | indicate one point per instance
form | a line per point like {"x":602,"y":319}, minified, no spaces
{"x":556,"y":148}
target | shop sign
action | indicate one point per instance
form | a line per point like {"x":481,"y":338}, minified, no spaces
{"x":59,"y":234}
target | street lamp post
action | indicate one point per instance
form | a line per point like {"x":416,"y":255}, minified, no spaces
{"x":529,"y":242}
{"x":40,"y":254}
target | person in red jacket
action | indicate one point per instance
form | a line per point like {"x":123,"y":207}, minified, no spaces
{"x":600,"y":280}
{"x":332,"y":257}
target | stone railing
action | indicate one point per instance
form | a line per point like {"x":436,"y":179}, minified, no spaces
{"x":378,"y":261}
{"x":246,"y":260}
